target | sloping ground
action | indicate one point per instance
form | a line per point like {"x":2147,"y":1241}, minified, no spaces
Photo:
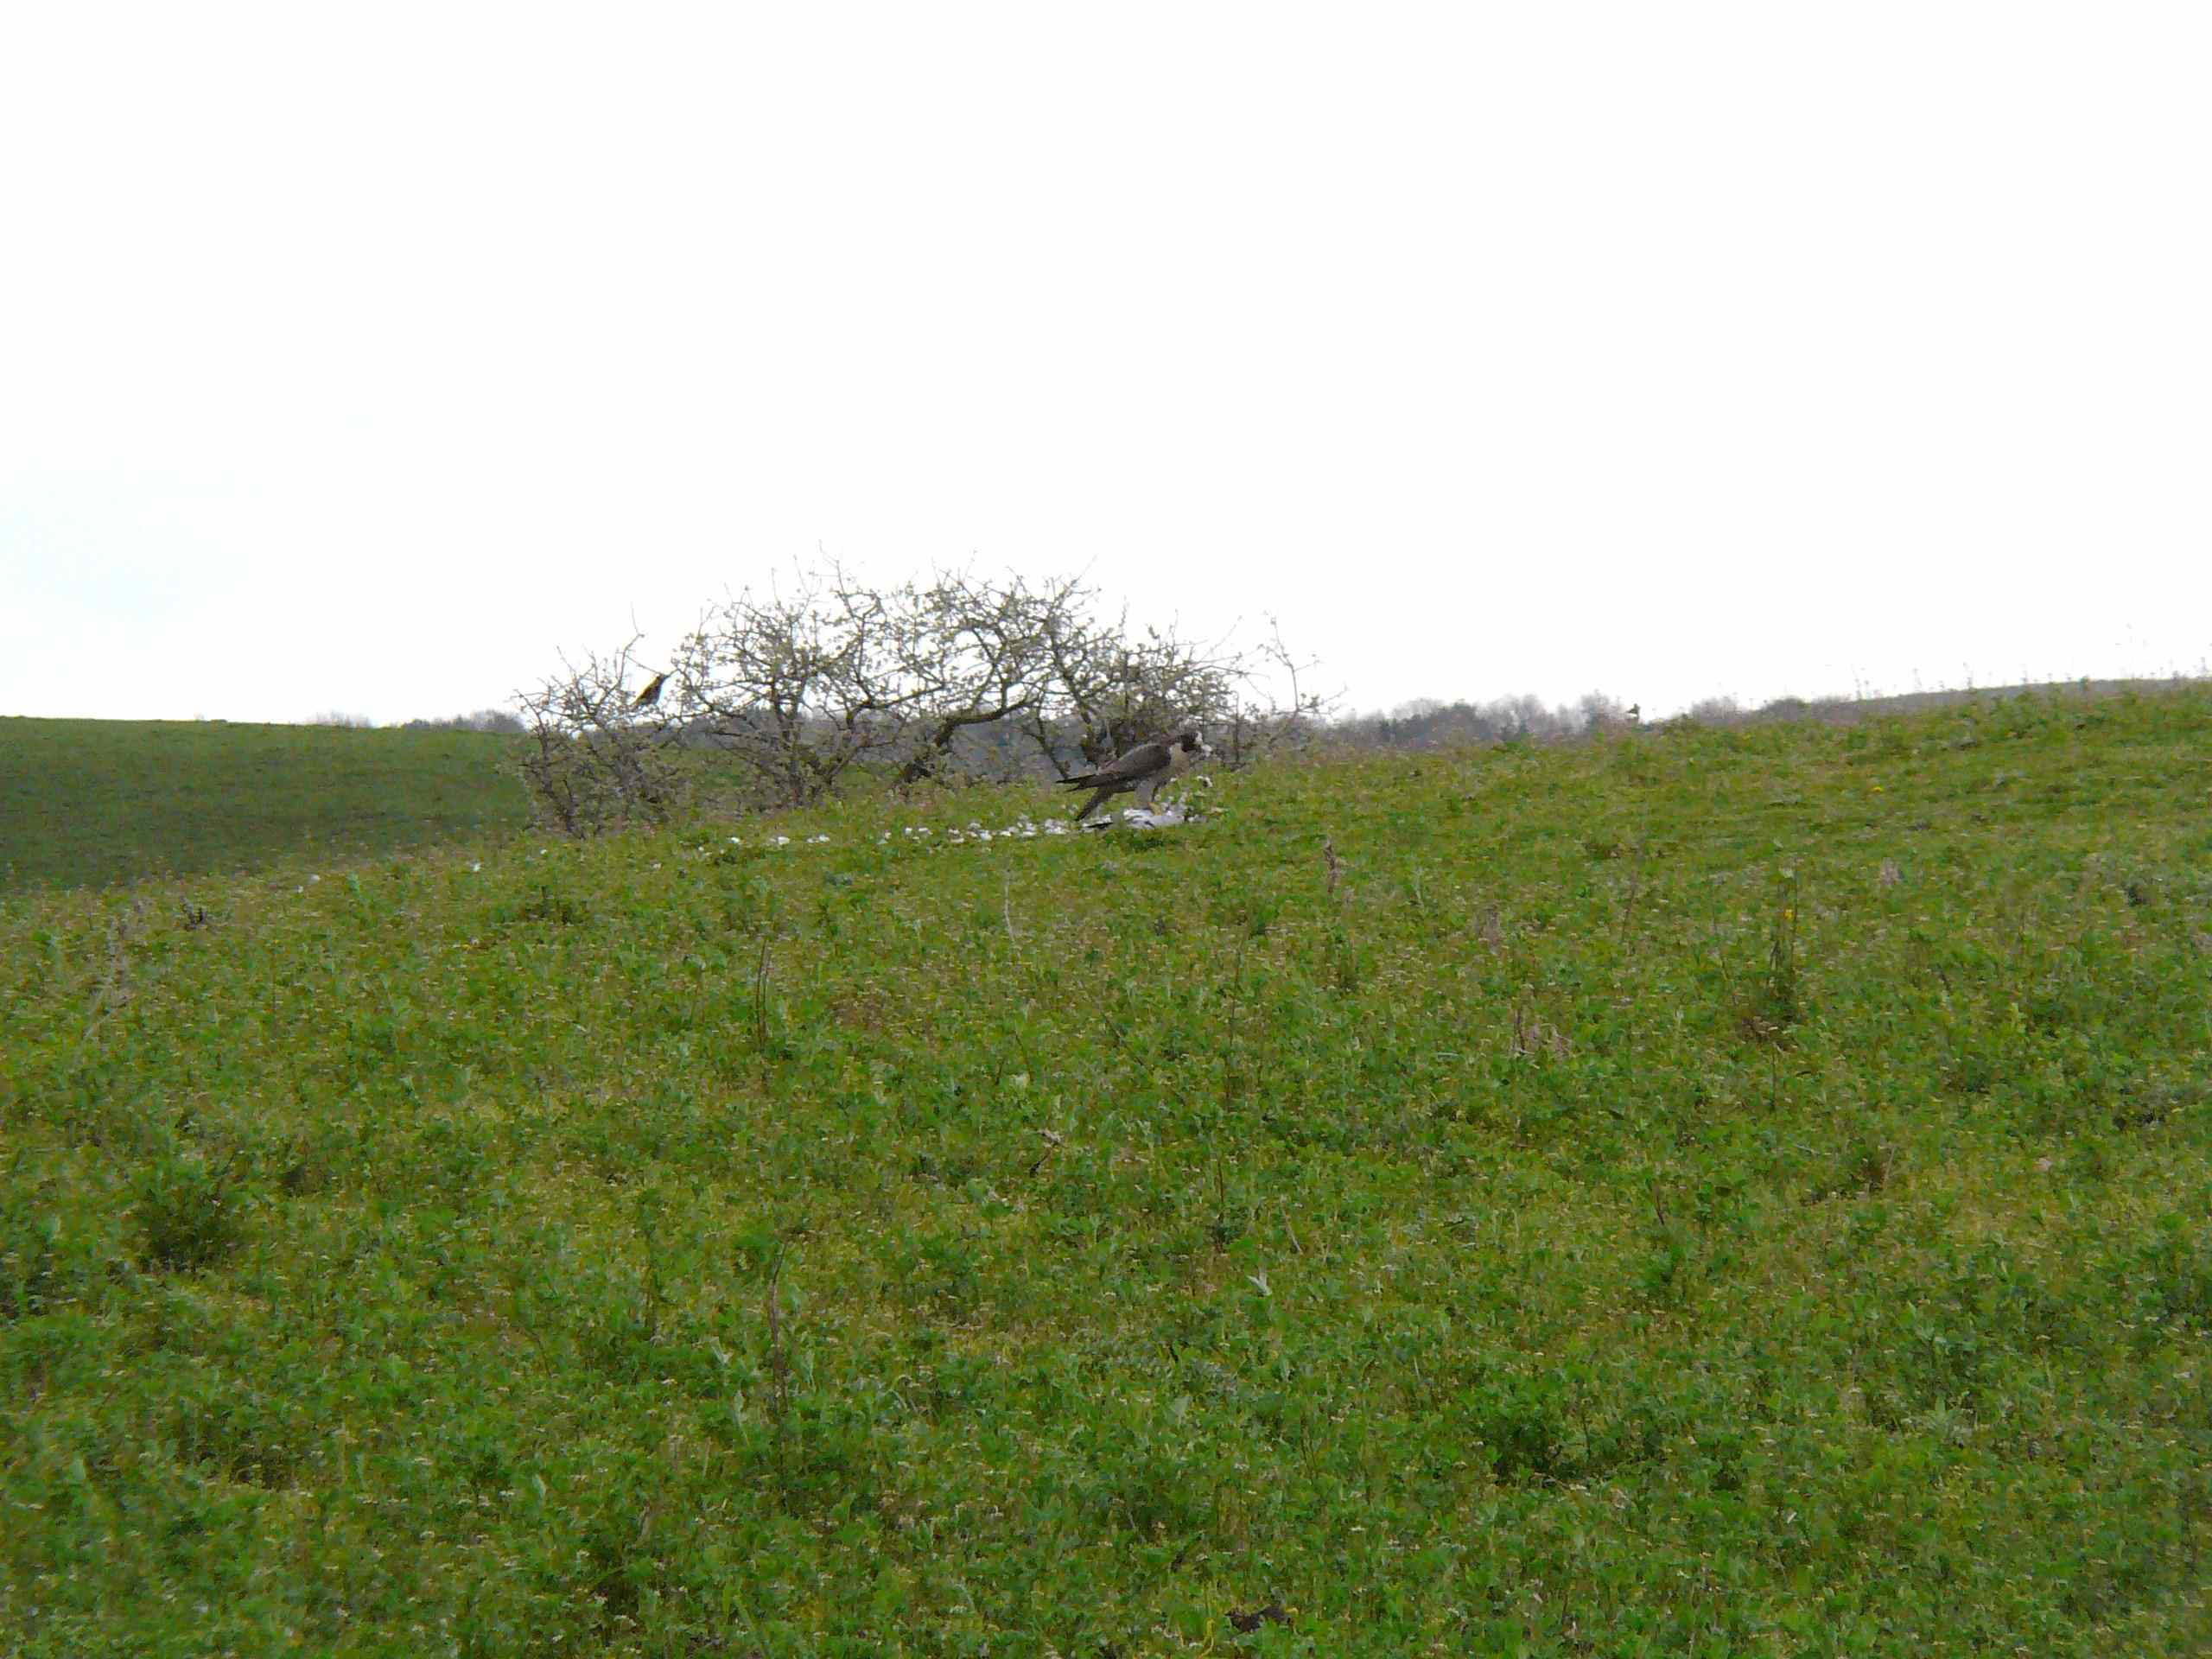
{"x":88,"y":802}
{"x":1950,"y":697}
{"x":1702,"y":1193}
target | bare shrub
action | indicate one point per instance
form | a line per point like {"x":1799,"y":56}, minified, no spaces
{"x":801,"y":685}
{"x":955,"y":674}
{"x":1108,"y":690}
{"x":591,"y":763}
{"x":1601,"y":714}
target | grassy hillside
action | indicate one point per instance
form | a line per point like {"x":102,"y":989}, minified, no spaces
{"x":90,"y":801}
{"x":1706,"y":1193}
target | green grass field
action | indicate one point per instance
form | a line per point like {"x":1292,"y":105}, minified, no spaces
{"x":92,"y":801}
{"x":1705,"y":1193}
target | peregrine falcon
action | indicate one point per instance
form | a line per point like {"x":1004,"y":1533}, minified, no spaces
{"x":1143,"y":769}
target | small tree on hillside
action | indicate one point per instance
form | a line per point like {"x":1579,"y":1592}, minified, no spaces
{"x":1111,"y":688}
{"x":591,"y":762}
{"x":804,"y":683}
{"x":984,"y":654}
{"x":801,"y":685}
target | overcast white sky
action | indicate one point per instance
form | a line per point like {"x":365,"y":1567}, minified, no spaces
{"x":363,"y":358}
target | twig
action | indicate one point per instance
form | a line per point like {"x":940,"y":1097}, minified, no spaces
{"x":1635,"y":887}
{"x":1052,"y":1142}
{"x":760,"y":1001}
{"x":113,"y":990}
{"x":779,"y":1364}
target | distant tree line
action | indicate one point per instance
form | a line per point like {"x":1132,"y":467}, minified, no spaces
{"x":1427,"y":723}
{"x":499,"y":721}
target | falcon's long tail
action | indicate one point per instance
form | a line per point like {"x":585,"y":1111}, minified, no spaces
{"x":1094,"y":801}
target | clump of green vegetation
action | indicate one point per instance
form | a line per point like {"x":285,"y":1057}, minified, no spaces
{"x":187,"y":1217}
{"x":1698,"y":1191}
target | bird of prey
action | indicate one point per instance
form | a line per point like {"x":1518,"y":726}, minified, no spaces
{"x":1143,"y":769}
{"x":651,"y":694}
